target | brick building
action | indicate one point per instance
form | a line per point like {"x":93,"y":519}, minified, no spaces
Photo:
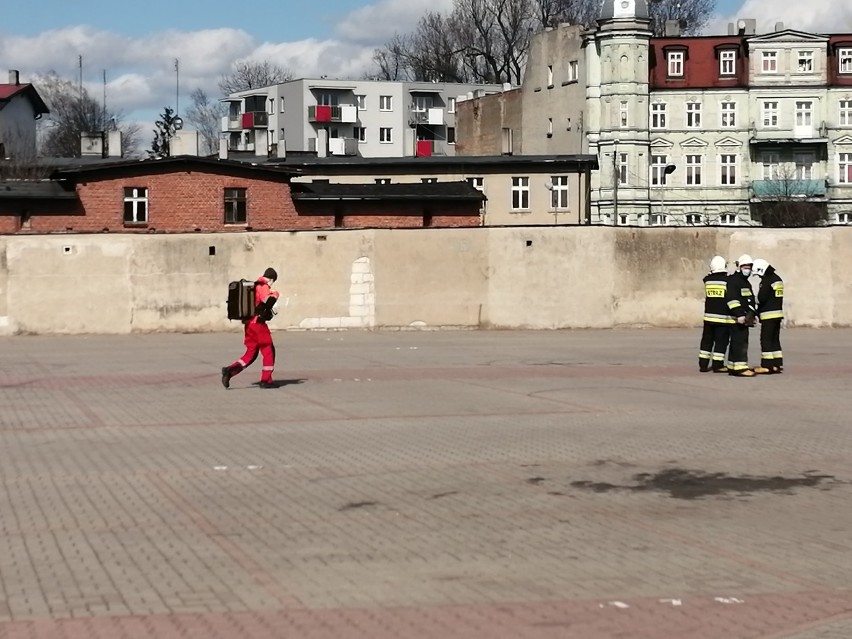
{"x":192,"y":194}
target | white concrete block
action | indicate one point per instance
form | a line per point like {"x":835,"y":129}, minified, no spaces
{"x":329,"y":322}
{"x":357,"y":300}
{"x":359,"y":311}
{"x":310,"y":322}
{"x":368,"y":277}
{"x":370,"y":300}
{"x":351,"y":322}
{"x":357,"y":278}
{"x":361,"y":267}
{"x":359,"y":289}
{"x":8,"y":326}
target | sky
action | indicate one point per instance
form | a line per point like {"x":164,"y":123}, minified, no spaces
{"x":136,"y":43}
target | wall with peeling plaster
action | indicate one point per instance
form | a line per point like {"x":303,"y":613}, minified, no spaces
{"x":541,"y":278}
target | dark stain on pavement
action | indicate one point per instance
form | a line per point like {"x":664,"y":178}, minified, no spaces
{"x":447,"y":494}
{"x":535,"y":480}
{"x":682,"y":483}
{"x":353,"y":505}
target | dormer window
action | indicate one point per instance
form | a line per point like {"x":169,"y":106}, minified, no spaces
{"x":675,"y":61}
{"x":844,"y":60}
{"x":728,"y":62}
{"x":806,"y":62}
{"x":769,"y":61}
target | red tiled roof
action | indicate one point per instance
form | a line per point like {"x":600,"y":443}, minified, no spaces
{"x":7,"y":91}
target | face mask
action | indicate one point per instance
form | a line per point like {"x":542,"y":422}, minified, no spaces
{"x":746,"y":272}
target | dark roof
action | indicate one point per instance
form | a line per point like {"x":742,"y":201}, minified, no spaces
{"x":418,"y":164}
{"x":34,"y":190}
{"x":8,"y":91}
{"x":140,"y":166}
{"x":445,"y":191}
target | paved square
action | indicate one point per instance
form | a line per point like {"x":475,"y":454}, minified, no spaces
{"x":570,"y":484}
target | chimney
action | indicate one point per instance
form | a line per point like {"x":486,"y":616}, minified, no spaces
{"x":672,"y":28}
{"x":14,"y":77}
{"x":779,"y":26}
{"x":114,"y":144}
{"x":731,"y":29}
{"x":223,"y":148}
{"x":92,"y":144}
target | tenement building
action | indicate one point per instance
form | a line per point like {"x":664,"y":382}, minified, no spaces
{"x":745,"y":128}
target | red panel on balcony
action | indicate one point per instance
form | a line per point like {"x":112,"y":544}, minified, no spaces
{"x":248,"y":120}
{"x":323,"y":113}
{"x":424,"y":148}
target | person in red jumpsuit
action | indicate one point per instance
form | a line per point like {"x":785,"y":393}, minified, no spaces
{"x":258,"y":339}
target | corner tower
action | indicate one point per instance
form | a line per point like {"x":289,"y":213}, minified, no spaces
{"x":617,"y":111}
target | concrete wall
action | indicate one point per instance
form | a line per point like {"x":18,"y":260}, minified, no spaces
{"x":543,"y":278}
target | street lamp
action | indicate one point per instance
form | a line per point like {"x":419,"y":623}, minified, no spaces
{"x":670,"y":168}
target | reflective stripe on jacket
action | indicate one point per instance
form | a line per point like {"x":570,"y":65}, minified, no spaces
{"x":770,"y":296}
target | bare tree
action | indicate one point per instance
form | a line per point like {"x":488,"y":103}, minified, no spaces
{"x":72,"y":112}
{"x":250,"y":74}
{"x":391,"y":60}
{"x":693,"y":15}
{"x":205,"y":114}
{"x":789,"y":199}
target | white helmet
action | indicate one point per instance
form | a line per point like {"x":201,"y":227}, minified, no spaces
{"x":759,"y":267}
{"x":745,"y":258}
{"x":718,"y":264}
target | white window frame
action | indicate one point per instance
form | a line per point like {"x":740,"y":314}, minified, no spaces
{"x":573,"y":71}
{"x":844,"y":60}
{"x":658,"y":219}
{"x":385,"y":103}
{"x":804,"y":113}
{"x":769,"y":114}
{"x":769,"y":61}
{"x":659,"y":115}
{"x":520,"y":193}
{"x":137,"y":198}
{"x":728,"y":169}
{"x":844,"y":218}
{"x":727,"y":62}
{"x":422,"y":103}
{"x":360,"y":133}
{"x":658,"y":169}
{"x":549,"y":76}
{"x":728,"y":115}
{"x":361,"y":102}
{"x":844,"y":168}
{"x":770,"y":165}
{"x":451,"y":133}
{"x":270,"y":106}
{"x":385,"y":135}
{"x":693,"y":115}
{"x":624,"y":114}
{"x":675,"y":64}
{"x":693,"y":219}
{"x":728,"y":219}
{"x":805,"y":59}
{"x":559,"y":193}
{"x":451,"y":105}
{"x":623,"y":168}
{"x":694,"y":163}
{"x":281,"y":104}
{"x":845,"y":112}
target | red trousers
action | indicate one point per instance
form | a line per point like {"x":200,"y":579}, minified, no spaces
{"x":258,"y":340}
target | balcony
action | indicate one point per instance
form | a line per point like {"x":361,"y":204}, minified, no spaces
{"x":255,"y":120}
{"x":433,"y":116}
{"x":427,"y":148}
{"x":345,"y":113}
{"x":342,"y":146}
{"x":232,"y":123}
{"x":787,"y":189}
{"x":796,"y":134}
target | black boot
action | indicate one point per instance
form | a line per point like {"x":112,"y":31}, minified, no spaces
{"x":226,"y":376}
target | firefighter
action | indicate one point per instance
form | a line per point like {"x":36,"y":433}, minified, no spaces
{"x":770,"y":304}
{"x":740,"y":302}
{"x":717,"y":319}
{"x":258,"y":339}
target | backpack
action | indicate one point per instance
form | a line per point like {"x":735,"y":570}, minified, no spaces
{"x":241,"y":302}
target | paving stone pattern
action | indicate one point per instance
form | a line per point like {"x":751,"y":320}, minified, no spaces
{"x":566,"y":484}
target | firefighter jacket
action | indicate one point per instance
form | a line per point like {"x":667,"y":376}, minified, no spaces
{"x":740,"y":296}
{"x":770,"y":296}
{"x":262,"y":293}
{"x":715,"y":303}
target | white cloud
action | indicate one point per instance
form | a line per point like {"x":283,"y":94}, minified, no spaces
{"x":822,"y":16}
{"x":376,"y":23}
